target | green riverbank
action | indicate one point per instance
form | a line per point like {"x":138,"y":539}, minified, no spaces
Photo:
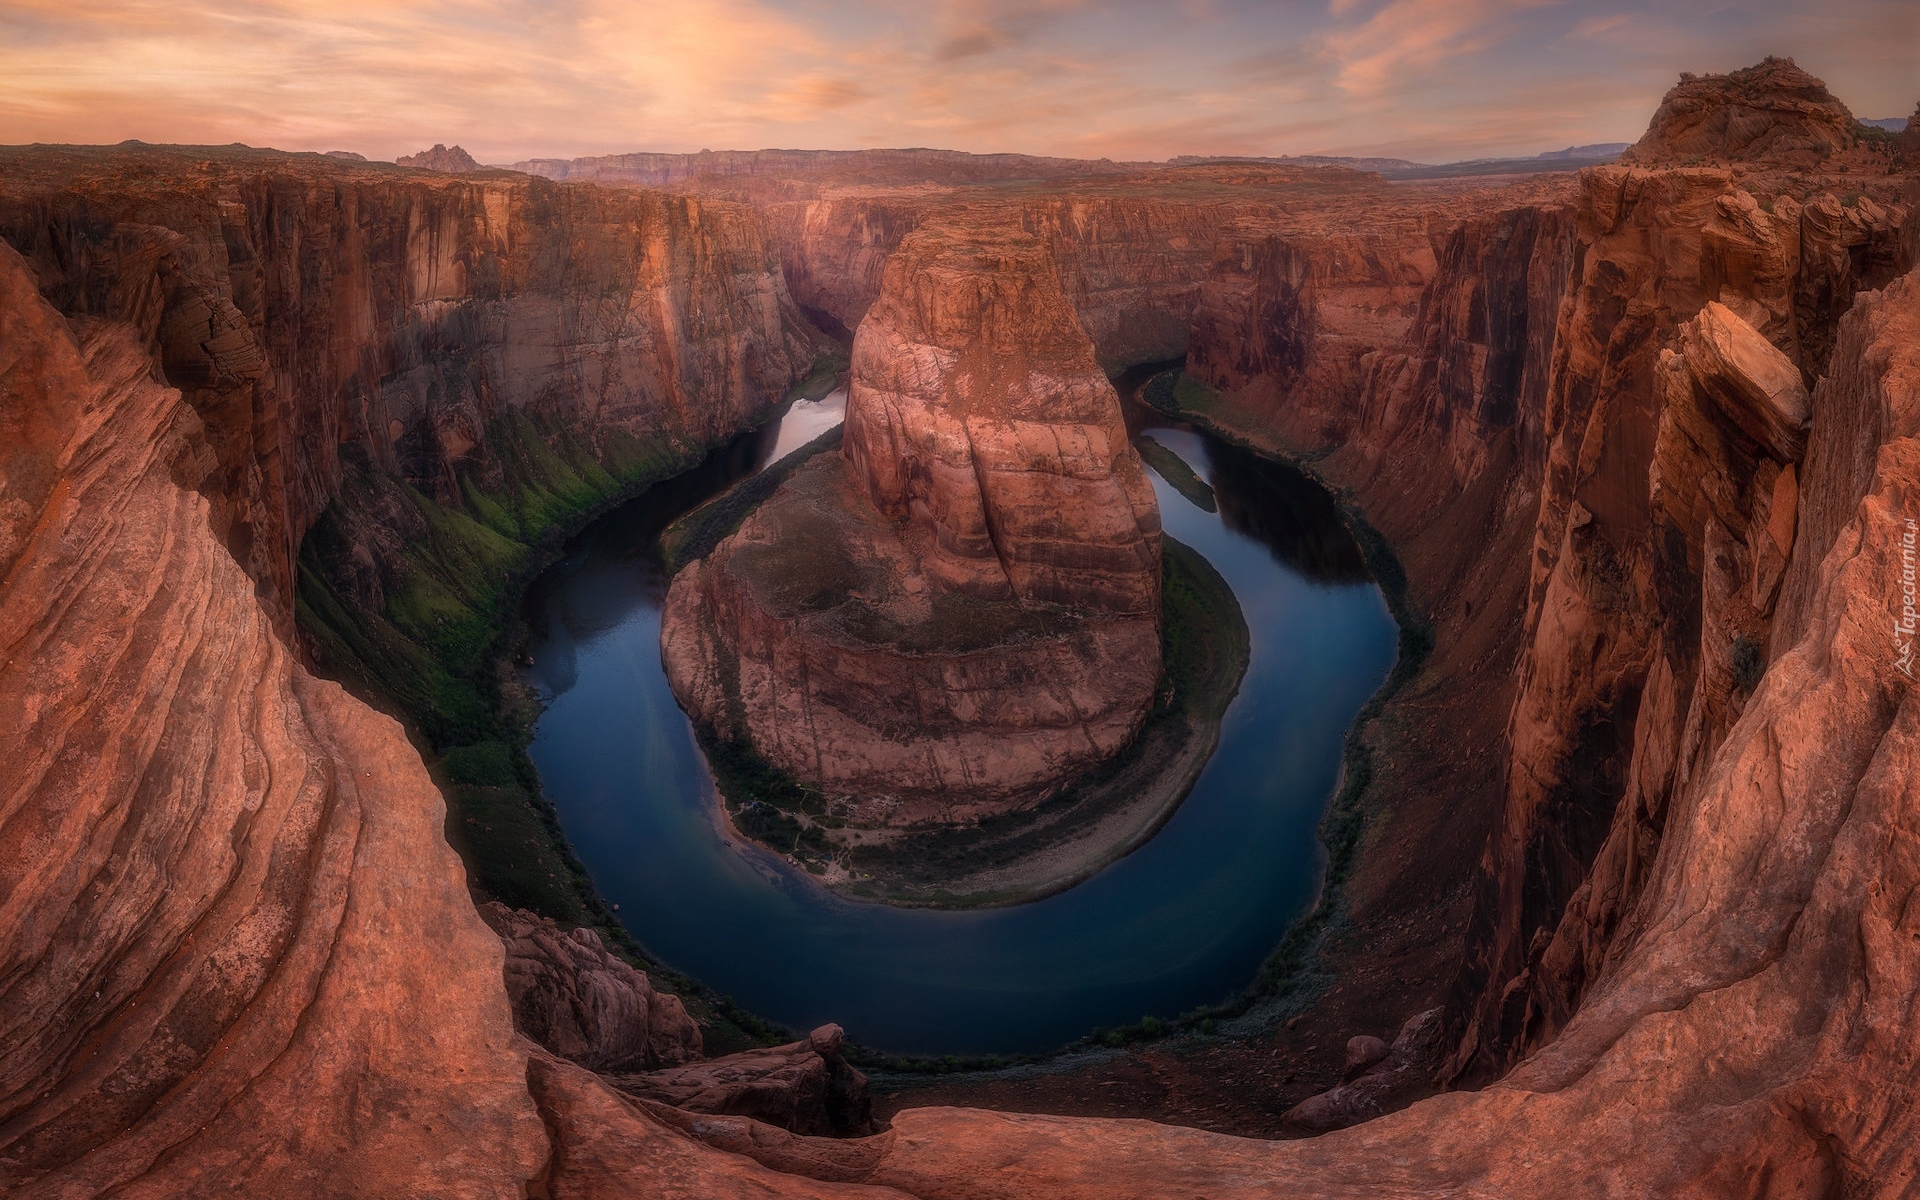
{"x":414,"y":603}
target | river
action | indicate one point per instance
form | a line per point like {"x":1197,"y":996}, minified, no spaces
{"x":1183,"y":921}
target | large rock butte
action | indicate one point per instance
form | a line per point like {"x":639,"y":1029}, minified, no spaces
{"x":961,"y":612}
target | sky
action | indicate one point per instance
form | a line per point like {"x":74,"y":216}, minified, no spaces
{"x":1433,"y":80}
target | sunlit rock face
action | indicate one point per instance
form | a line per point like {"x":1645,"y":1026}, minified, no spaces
{"x":961,"y":612}
{"x":318,"y":312}
{"x":239,"y":958}
{"x":979,"y":417}
{"x":238,"y":955}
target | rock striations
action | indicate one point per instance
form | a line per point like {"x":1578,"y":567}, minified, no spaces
{"x":1648,"y":443}
{"x":317,"y":314}
{"x":962,"y":612}
{"x":579,"y":1001}
{"x":238,"y":955}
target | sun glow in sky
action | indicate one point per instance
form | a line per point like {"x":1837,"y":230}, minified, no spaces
{"x":513,"y":79}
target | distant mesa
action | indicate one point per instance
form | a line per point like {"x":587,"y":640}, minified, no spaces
{"x":350,"y":155}
{"x":889,"y":166}
{"x":1772,"y":113}
{"x":440,"y":158}
{"x":1590,"y":150}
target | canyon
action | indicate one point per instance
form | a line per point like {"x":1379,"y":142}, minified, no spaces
{"x":1631,"y":860}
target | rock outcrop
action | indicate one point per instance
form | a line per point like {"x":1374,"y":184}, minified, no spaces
{"x":806,"y":1087}
{"x":238,"y":954}
{"x":1753,"y":1037}
{"x":962,"y":612}
{"x":979,"y":417}
{"x":1771,"y":113}
{"x":577,"y":1000}
{"x":1676,"y":425}
{"x":440,"y":158}
{"x":1379,"y":1077}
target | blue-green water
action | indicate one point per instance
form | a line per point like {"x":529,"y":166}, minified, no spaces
{"x":1185,"y":920}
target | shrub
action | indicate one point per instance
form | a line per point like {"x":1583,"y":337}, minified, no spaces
{"x":1748,"y":665}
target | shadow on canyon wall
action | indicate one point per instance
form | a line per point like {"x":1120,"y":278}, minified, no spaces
{"x":1655,"y":513}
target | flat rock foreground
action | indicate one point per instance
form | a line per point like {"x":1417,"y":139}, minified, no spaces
{"x":1641,"y":844}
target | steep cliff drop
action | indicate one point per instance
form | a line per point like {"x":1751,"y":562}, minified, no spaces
{"x":238,"y":956}
{"x":960,"y":613}
{"x":230,"y":911}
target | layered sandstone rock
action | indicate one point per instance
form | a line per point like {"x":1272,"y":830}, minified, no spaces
{"x":237,"y":953}
{"x":1772,"y":112}
{"x":805,"y":1087}
{"x":963,"y":612}
{"x":1675,"y":425}
{"x":979,"y":417}
{"x":579,"y":1001}
{"x":314,"y":311}
{"x":1754,"y":1037}
{"x":1136,"y":253}
{"x":901,"y":166}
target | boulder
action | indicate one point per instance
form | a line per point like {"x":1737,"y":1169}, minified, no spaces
{"x":575,"y":998}
{"x":806,"y":1087}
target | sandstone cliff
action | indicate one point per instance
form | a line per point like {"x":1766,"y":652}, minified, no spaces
{"x":314,"y":311}
{"x":962,"y":613}
{"x":900,"y":166}
{"x":1667,"y":516}
{"x":978,"y":415}
{"x":228,"y":908}
{"x":1754,"y":1038}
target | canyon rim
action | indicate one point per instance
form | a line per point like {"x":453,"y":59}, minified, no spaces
{"x":1613,"y":890}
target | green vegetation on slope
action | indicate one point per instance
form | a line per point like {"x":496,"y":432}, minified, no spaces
{"x":413,"y":603}
{"x":695,"y":535}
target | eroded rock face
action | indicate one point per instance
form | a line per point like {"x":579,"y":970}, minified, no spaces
{"x":1771,"y":112}
{"x":227,"y":912}
{"x":963,"y":611}
{"x":806,"y":1087}
{"x":314,"y":312}
{"x":979,"y":417}
{"x":237,"y":953}
{"x":579,"y":1001}
{"x":1656,"y":566}
{"x":1754,"y":1036}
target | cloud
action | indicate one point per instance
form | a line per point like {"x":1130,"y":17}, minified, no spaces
{"x":1598,"y":26}
{"x":1374,"y":57}
{"x":513,"y":79}
{"x":816,"y":94}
